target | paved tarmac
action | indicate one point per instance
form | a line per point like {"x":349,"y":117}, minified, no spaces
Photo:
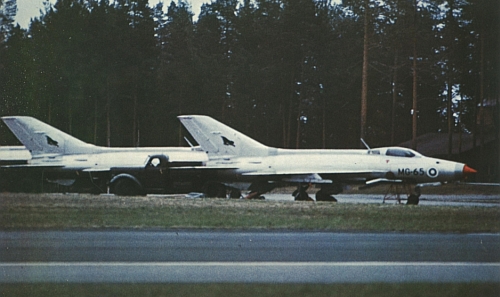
{"x":259,"y":272}
{"x":187,"y":256}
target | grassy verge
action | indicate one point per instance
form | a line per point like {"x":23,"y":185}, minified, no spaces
{"x":243,"y":290}
{"x":56,"y":211}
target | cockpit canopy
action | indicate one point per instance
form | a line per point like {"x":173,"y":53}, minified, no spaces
{"x":396,"y":152}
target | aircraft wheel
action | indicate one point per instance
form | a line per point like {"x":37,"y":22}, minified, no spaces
{"x":413,"y":200}
{"x":127,"y":187}
{"x":331,"y":198}
{"x":322,"y":196}
{"x":302,"y":196}
{"x":215,"y":190}
{"x":235,"y":194}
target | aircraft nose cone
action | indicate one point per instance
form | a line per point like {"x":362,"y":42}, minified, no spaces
{"x":467,"y":170}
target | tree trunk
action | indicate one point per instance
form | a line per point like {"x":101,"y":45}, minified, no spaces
{"x":364,"y":83}
{"x":324,"y":123}
{"x":414,"y":70}
{"x":481,"y":94}
{"x":460,"y":130}
{"x":283,"y":121}
{"x":135,"y":139}
{"x":108,"y":120}
{"x":179,"y":111}
{"x":449,"y":106}
{"x":289,"y":119}
{"x":297,"y":138}
{"x":394,"y":97}
{"x":450,"y":119}
{"x":95,"y":120}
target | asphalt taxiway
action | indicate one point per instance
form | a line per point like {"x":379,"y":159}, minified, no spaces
{"x":187,"y":256}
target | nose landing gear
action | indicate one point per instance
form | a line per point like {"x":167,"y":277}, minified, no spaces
{"x":395,"y":190}
{"x":414,"y":197}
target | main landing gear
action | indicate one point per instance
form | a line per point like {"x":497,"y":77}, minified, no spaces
{"x":395,"y":190}
{"x":217,"y":190}
{"x":322,"y":195}
{"x":300,"y":194}
{"x":259,"y":188}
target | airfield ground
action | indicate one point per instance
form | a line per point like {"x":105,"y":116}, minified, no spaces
{"x":95,"y":212}
{"x":55,"y":211}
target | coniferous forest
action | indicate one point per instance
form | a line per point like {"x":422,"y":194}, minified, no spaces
{"x":289,"y":73}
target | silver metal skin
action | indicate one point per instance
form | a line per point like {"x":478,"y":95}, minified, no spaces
{"x":244,"y":161}
{"x":62,"y":159}
{"x":235,"y":160}
{"x":50,"y":147}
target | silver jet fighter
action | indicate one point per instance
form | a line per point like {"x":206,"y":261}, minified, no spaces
{"x":64,"y":159}
{"x":246,"y":164}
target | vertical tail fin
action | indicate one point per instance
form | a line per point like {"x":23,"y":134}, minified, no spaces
{"x":42,"y":139}
{"x":220,"y":140}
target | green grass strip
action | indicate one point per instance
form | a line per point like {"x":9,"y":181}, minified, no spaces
{"x":22,"y":211}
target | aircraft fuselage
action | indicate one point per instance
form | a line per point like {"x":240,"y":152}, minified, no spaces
{"x":342,"y":165}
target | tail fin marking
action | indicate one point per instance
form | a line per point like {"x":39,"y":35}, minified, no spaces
{"x":220,"y":140}
{"x":42,"y":139}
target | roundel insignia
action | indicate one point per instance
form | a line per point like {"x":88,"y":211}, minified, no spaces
{"x":432,"y":172}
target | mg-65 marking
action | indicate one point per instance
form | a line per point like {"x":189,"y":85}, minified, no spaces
{"x":410,"y":172}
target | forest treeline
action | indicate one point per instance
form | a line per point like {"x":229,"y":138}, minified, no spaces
{"x":290,"y":73}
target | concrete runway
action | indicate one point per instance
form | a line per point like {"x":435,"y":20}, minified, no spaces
{"x":187,"y":256}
